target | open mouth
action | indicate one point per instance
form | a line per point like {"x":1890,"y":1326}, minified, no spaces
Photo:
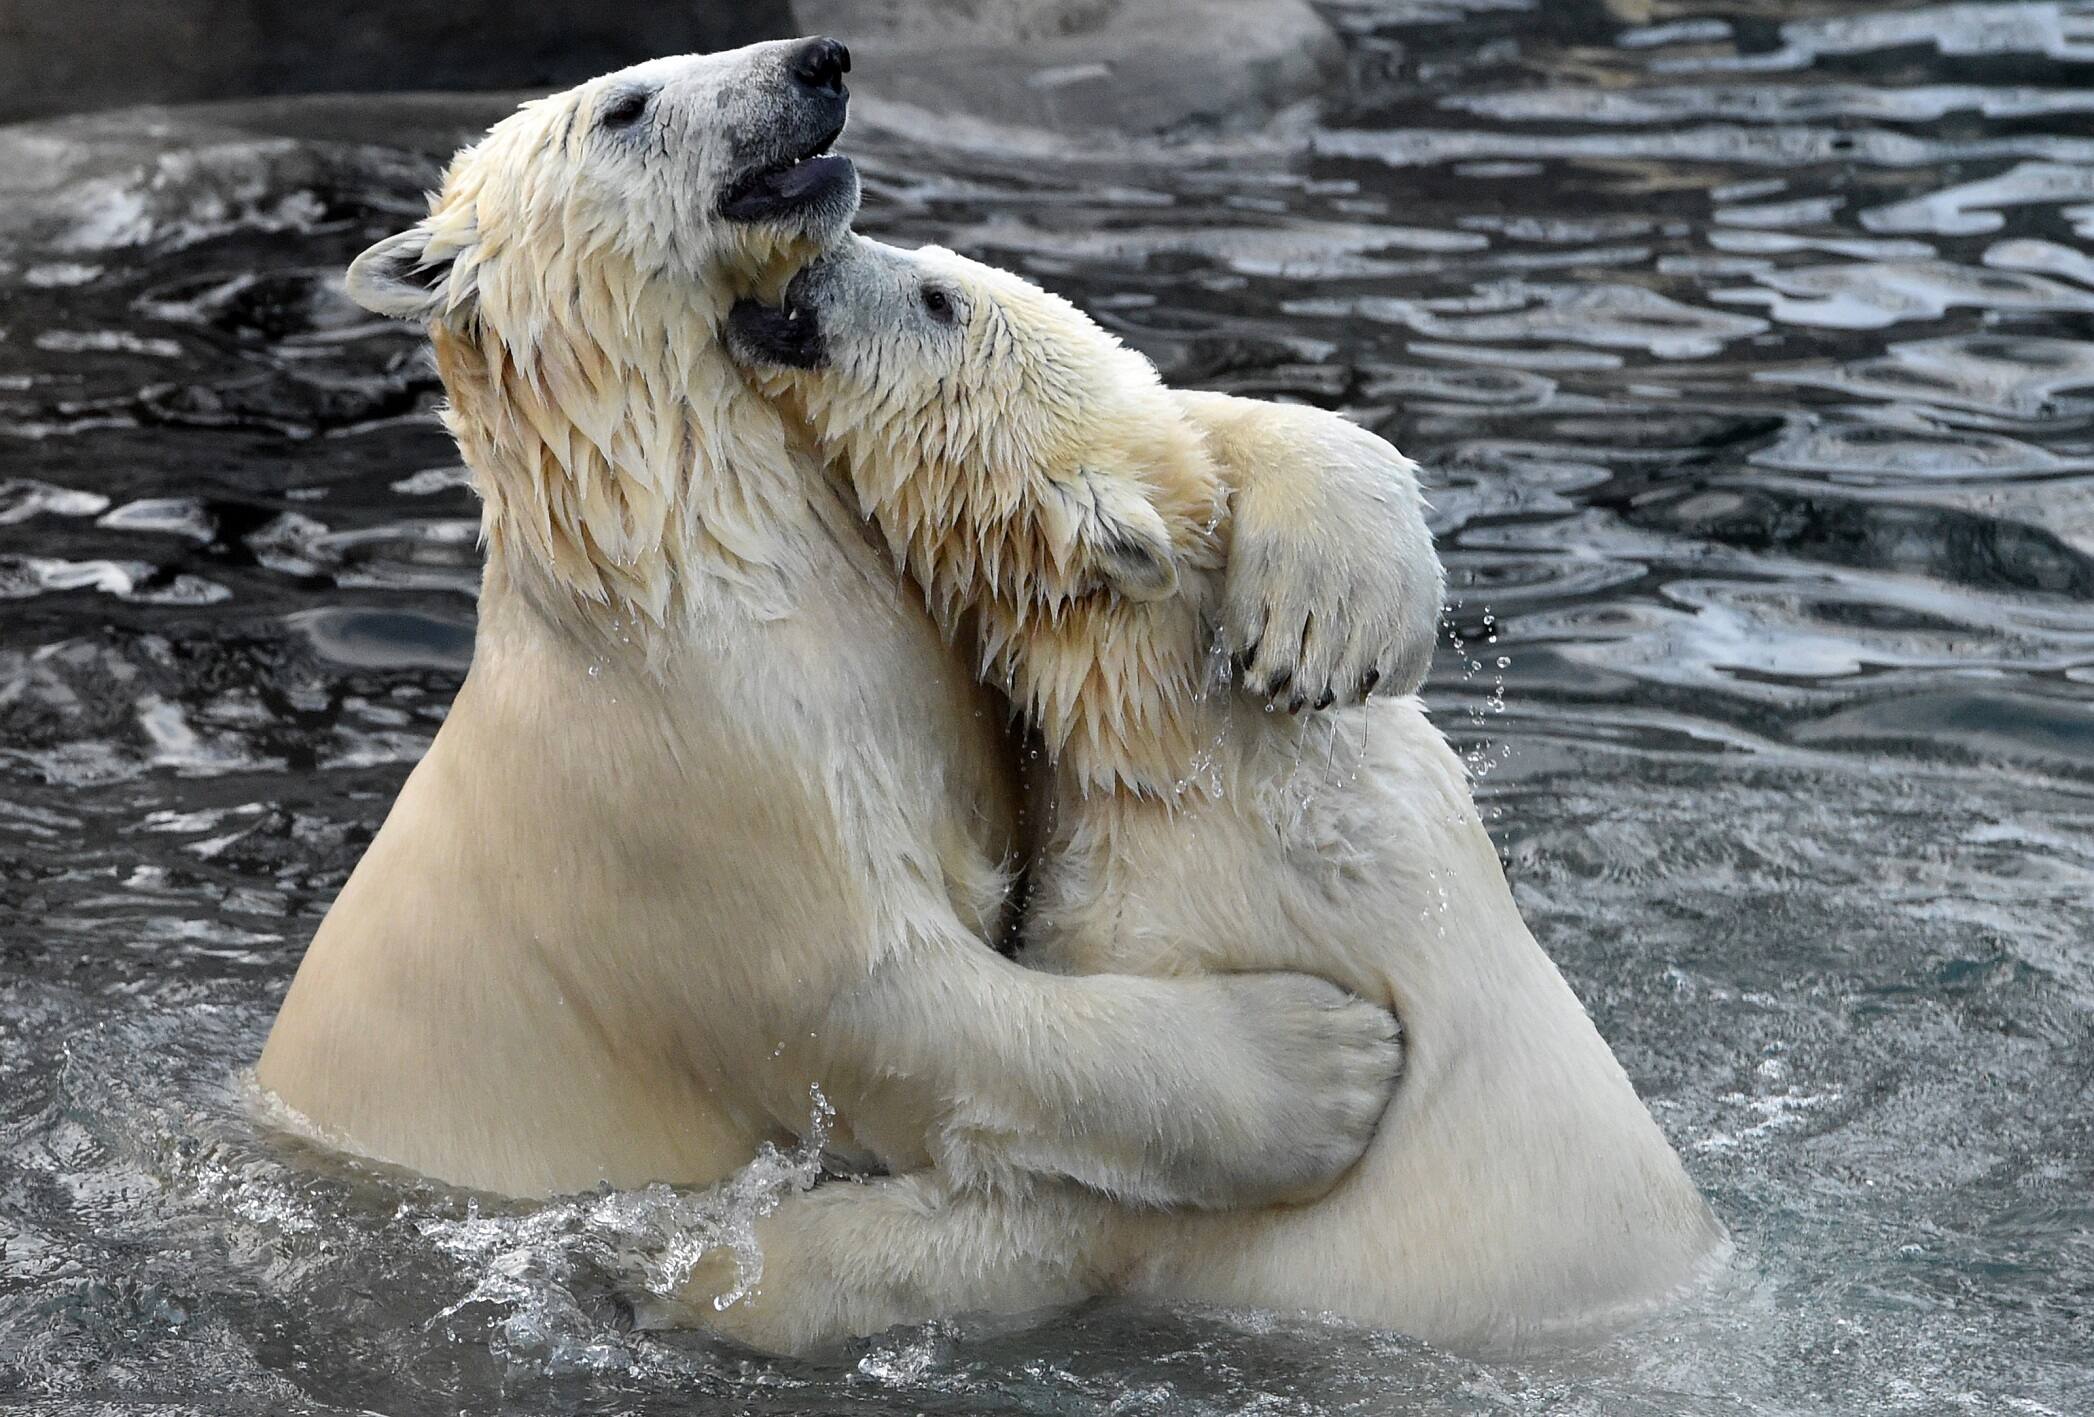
{"x":781,"y":338}
{"x":787,"y":335}
{"x":799,"y":182}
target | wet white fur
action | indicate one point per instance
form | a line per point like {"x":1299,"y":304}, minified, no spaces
{"x":1517,"y":1189}
{"x":718,"y":818}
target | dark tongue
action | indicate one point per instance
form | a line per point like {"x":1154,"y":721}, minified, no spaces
{"x":808,"y":177}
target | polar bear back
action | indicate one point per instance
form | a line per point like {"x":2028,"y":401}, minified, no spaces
{"x":1517,"y":1186}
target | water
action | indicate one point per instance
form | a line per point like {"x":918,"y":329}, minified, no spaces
{"x":1751,"y":361}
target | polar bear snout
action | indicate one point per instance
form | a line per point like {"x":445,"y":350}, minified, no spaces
{"x":761,"y":334}
{"x":787,"y":171}
{"x":791,"y":335}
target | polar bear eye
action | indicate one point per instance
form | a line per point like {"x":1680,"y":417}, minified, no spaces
{"x":937,"y":304}
{"x":624,"y":110}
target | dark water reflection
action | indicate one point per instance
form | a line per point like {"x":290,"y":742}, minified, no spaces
{"x":1750,"y":356}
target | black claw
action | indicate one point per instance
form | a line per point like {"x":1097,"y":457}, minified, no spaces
{"x":1280,"y":680}
{"x":1326,"y":701}
{"x":1369,"y":680}
{"x":1294,"y":705}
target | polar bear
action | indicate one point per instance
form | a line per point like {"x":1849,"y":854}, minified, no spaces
{"x":1518,"y":1189}
{"x":718,"y":818}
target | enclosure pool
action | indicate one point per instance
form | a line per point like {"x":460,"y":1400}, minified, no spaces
{"x":1749,"y":360}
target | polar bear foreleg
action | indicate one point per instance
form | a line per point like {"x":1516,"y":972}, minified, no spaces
{"x":1212,"y":1091}
{"x":850,"y":1259}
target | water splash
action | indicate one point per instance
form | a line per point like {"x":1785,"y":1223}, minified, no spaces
{"x":534,"y":1271}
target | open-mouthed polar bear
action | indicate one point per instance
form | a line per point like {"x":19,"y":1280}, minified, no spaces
{"x":718,"y":817}
{"x":1070,"y":513}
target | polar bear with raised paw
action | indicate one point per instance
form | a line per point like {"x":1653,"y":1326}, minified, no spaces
{"x":1074,"y":517}
{"x":719,"y":818}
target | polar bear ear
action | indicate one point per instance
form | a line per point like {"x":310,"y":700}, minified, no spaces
{"x":402,"y":278}
{"x":1114,"y":537}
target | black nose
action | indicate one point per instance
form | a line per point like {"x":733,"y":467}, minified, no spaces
{"x":821,"y":64}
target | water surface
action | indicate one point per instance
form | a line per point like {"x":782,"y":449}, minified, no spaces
{"x":1747,"y":344}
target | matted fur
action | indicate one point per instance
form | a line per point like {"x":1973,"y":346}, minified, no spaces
{"x":593,"y":423}
{"x":1003,"y":485}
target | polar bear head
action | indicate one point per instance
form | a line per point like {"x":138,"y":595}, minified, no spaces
{"x":1030,"y":472}
{"x":689,"y":170}
{"x":1007,"y":444}
{"x":573,"y":273}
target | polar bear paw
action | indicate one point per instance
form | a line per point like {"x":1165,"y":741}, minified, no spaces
{"x":1327,"y":1063}
{"x":1313,"y":631}
{"x":1333,"y":588}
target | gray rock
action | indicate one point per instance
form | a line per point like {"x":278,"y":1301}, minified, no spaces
{"x":1132,"y":66}
{"x":59,"y":58}
{"x":1068,"y":66}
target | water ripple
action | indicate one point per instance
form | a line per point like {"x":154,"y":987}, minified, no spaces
{"x":1748,"y":357}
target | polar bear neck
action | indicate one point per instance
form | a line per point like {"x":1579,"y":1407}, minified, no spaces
{"x":1118,"y":689}
{"x":623,"y":466}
